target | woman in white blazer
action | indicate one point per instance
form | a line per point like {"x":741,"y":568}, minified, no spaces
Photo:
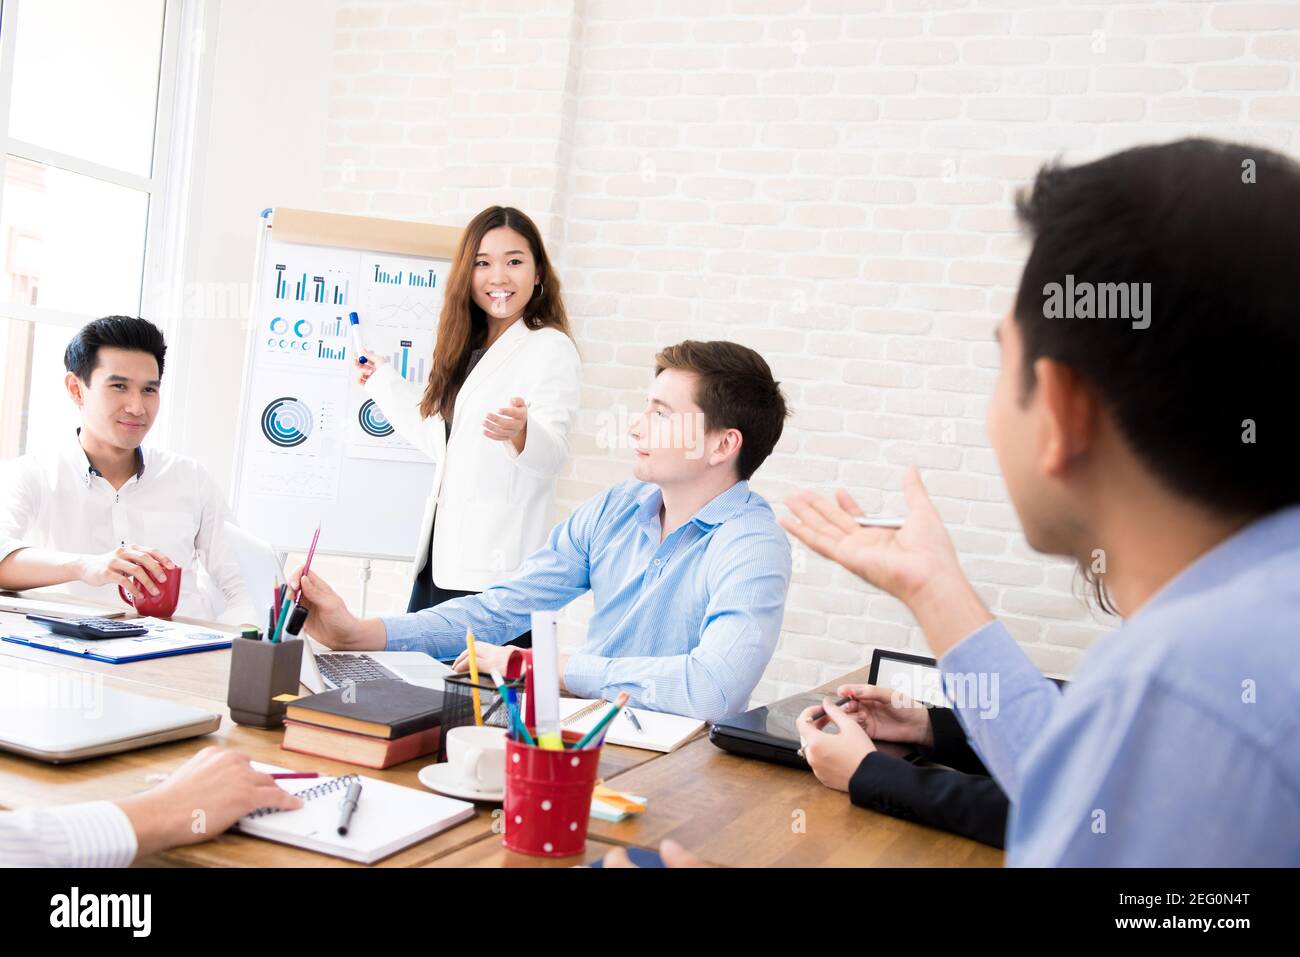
{"x":495,"y":412}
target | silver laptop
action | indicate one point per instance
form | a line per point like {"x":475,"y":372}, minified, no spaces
{"x":323,"y":669}
{"x":73,"y":715}
{"x":18,"y":605}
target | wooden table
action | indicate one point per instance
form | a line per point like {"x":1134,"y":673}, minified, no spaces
{"x":730,"y":810}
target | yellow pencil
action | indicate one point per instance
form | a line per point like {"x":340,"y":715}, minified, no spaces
{"x":473,"y":676}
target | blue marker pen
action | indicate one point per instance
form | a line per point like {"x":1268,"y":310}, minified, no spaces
{"x":354,"y":327}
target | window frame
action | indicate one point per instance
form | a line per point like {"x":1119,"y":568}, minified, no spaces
{"x":185,"y":28}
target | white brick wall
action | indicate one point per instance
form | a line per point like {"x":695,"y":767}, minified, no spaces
{"x":828,"y":181}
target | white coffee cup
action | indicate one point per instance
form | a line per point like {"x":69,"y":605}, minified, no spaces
{"x":479,"y":755}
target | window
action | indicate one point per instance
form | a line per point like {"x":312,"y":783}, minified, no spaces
{"x":86,"y":88}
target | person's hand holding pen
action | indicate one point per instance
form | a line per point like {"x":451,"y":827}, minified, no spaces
{"x":366,"y":369}
{"x":329,"y":620}
{"x":508,"y":424}
{"x":832,"y":757}
{"x":888,"y":715}
{"x":915,"y":563}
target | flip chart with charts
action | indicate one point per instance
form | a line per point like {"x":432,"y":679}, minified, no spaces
{"x":312,"y":447}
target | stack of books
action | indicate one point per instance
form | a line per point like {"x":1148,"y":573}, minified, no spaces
{"x":373,"y":724}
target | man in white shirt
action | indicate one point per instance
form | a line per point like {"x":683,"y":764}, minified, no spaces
{"x":98,"y":511}
{"x":208,"y":794}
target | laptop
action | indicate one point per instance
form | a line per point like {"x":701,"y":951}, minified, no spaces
{"x":769,"y":733}
{"x":72,"y":716}
{"x":18,"y":605}
{"x":324,"y":670}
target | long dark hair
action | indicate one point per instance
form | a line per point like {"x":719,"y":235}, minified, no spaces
{"x":463,"y":326}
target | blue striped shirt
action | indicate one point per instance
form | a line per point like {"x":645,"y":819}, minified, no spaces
{"x":685,"y":625}
{"x":1176,"y":743}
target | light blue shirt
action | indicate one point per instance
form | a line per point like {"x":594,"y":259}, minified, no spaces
{"x":1178,"y":741}
{"x":684,"y":626}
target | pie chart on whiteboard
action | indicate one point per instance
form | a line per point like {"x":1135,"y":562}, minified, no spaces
{"x":373,"y":421}
{"x":286,"y":422}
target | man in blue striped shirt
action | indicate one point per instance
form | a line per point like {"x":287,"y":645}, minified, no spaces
{"x":1158,"y":449}
{"x":687,"y":566}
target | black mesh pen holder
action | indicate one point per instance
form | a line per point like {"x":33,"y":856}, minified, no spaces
{"x":458,"y":705}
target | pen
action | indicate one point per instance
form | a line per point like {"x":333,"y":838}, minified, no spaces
{"x":821,"y":712}
{"x":515,"y":720}
{"x":348,"y":806}
{"x":632,"y":717}
{"x":864,"y":522}
{"x":291,"y":775}
{"x":608,"y":717}
{"x":281,"y":620}
{"x":354,"y":327}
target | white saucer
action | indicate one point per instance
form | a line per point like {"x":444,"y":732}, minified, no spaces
{"x":445,"y":779}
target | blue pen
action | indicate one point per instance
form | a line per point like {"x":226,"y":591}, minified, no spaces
{"x":516,"y":719}
{"x":354,"y":327}
{"x":512,"y":707}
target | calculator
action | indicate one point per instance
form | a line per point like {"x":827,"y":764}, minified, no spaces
{"x":90,"y":627}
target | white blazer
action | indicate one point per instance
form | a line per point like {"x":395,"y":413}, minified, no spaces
{"x":493,"y":504}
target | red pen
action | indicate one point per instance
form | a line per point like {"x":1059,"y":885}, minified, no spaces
{"x":290,"y":775}
{"x":297,"y":596}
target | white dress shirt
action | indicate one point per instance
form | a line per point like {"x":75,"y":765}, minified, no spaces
{"x":57,"y":500}
{"x":96,"y":834}
{"x":492,"y":503}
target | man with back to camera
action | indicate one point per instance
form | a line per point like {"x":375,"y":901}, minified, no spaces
{"x":1154,"y":444}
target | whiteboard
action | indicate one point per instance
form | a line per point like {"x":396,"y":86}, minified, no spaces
{"x":312,"y":448}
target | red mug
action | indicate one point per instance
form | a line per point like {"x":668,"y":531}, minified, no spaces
{"x":161,"y":605}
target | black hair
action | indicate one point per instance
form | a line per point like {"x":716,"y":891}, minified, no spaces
{"x":1205,"y":394}
{"x":122,"y":332}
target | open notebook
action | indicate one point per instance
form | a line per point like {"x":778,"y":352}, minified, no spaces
{"x":660,"y":732}
{"x":388,"y":817}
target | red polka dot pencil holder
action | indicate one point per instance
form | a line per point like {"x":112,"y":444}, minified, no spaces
{"x":548,"y":797}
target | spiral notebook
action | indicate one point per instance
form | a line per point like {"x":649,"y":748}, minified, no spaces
{"x":658,"y":731}
{"x":388,"y":817}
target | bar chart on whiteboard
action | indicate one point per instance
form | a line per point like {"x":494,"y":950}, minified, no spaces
{"x":313,"y":413}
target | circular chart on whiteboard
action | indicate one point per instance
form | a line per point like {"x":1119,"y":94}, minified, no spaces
{"x":286,"y":422}
{"x":373,"y":421}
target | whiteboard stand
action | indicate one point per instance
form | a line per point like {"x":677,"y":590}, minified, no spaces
{"x":365,"y":584}
{"x":375,"y":266}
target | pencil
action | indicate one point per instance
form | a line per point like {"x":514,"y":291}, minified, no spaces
{"x":282,"y":619}
{"x":307,"y":566}
{"x":473,"y":676}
